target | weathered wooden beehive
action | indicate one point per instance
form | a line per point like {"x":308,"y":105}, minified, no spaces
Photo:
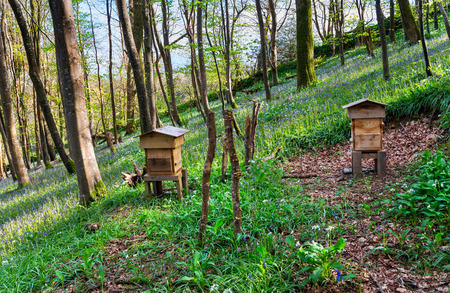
{"x":163,"y":150}
{"x":367,"y":125}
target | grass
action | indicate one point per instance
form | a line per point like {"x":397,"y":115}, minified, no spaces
{"x":44,"y":244}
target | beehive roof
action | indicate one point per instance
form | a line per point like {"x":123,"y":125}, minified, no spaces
{"x":362,"y":101}
{"x":169,"y":130}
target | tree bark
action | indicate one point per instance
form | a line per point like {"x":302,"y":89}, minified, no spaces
{"x":39,"y":86}
{"x":133,"y":55}
{"x":10,"y":129}
{"x":445,"y":17}
{"x":227,"y":43}
{"x":411,"y":30}
{"x":111,"y":79}
{"x":236,"y":173}
{"x":7,"y":143}
{"x":383,"y":40}
{"x":392,"y":21}
{"x":273,"y":43}
{"x":148,"y":62}
{"x":90,"y":183}
{"x":435,"y":14}
{"x":262,"y":35}
{"x":167,"y":58}
{"x":305,"y":45}
{"x":424,"y":44}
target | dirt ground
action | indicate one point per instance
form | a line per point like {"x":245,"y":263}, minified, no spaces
{"x":322,"y":172}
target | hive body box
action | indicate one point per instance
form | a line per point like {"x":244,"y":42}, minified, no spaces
{"x":163,"y":158}
{"x":367,"y":134}
{"x":367,"y":125}
{"x":163,"y":150}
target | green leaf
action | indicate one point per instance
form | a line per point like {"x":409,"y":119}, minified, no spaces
{"x":336,"y":265}
{"x":316,"y":274}
{"x":340,"y":244}
{"x":349,"y":276}
{"x":218,"y":224}
{"x":447,"y":267}
{"x":59,"y":274}
{"x":185,"y":279}
{"x":262,"y":250}
{"x":290,"y":241}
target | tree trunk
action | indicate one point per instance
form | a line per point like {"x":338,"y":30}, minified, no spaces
{"x":445,"y":17}
{"x":424,"y":44}
{"x":427,"y":16}
{"x":90,"y":183}
{"x":34,"y":73}
{"x":148,"y":61}
{"x":167,"y":59}
{"x":435,"y":13}
{"x":111,"y":79}
{"x":383,"y":40}
{"x":227,"y":43}
{"x":262,"y":35}
{"x":236,"y":173}
{"x":411,"y":30}
{"x":305,"y":45}
{"x":133,"y":55}
{"x":7,"y":143}
{"x":273,"y":43}
{"x":10,"y":129}
{"x":392,"y":21}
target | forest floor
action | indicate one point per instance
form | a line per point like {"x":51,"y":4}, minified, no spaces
{"x":379,"y":269}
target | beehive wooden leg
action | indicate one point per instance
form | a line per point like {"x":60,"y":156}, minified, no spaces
{"x":147,"y":188}
{"x":357,"y":164}
{"x":179,"y":187}
{"x":185,"y":178}
{"x":381,"y":166}
{"x":155,"y":189}
{"x":159,"y":187}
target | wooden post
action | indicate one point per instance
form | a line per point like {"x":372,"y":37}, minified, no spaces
{"x":185,"y":178}
{"x":357,"y":164}
{"x":381,"y":164}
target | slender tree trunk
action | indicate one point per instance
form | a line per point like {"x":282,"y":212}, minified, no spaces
{"x":305,"y":45}
{"x":36,"y":130}
{"x":424,"y":44}
{"x":10,"y":129}
{"x":383,"y":40}
{"x":435,"y":14}
{"x":211,"y":124}
{"x":273,"y":43}
{"x":427,"y":16}
{"x":7,"y":143}
{"x":445,"y":17}
{"x":262,"y":35}
{"x":2,"y":170}
{"x":39,"y":86}
{"x":68,"y":60}
{"x":227,"y":43}
{"x":111,"y":79}
{"x":392,"y":21}
{"x":148,"y":61}
{"x":236,"y":173}
{"x":133,"y":55}
{"x":411,"y":30}
{"x":167,"y":59}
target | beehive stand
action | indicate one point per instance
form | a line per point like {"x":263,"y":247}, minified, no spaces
{"x":367,"y":135}
{"x":180,"y":179}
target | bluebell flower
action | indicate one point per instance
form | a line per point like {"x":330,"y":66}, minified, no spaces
{"x":338,"y":275}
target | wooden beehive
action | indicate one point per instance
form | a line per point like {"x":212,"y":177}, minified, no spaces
{"x":163,"y":150}
{"x":367,"y":125}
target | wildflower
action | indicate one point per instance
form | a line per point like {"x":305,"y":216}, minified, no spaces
{"x":338,"y":275}
{"x":315,"y":227}
{"x":4,"y":263}
{"x":214,"y":287}
{"x":264,"y":201}
{"x":297,"y":244}
{"x":227,"y":291}
{"x":392,"y":189}
{"x":329,"y":228}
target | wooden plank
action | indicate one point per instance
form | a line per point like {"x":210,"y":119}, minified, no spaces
{"x":381,"y":166}
{"x":357,"y":164}
{"x":157,"y":141}
{"x":368,"y":142}
{"x":369,"y":155}
{"x":366,"y":111}
{"x":151,"y":177}
{"x":185,"y":178}
{"x":370,"y":125}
